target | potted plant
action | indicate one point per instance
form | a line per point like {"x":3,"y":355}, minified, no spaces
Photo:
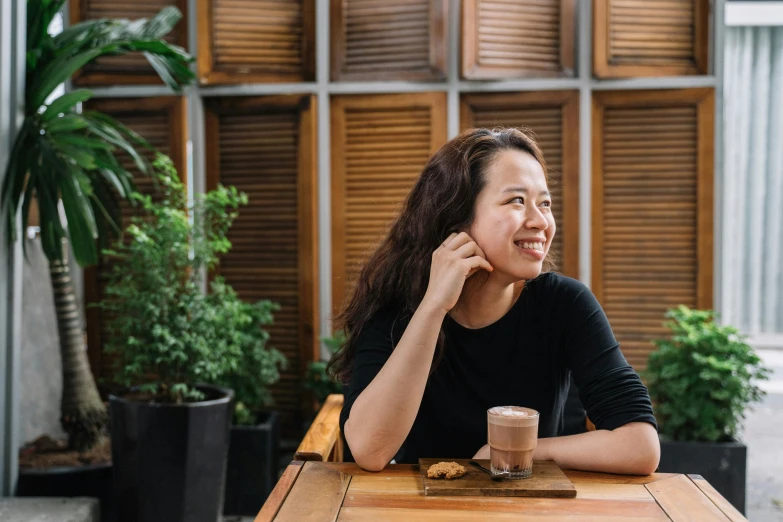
{"x":63,"y":159}
{"x":170,"y":432}
{"x":702,"y":380}
{"x":255,"y":431}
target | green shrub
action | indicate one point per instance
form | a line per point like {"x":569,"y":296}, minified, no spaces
{"x":703,"y":378}
{"x":168,"y":334}
{"x":316,"y":378}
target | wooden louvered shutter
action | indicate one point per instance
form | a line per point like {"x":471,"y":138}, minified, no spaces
{"x":642,"y":38}
{"x":162,"y":122}
{"x":554,"y":119}
{"x":380,"y":143}
{"x":131,"y":68}
{"x":380,"y":40}
{"x":265,"y":146}
{"x":652,"y":209}
{"x":517,"y":38}
{"x":243,"y":41}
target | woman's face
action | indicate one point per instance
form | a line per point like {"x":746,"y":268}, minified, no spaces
{"x":513,"y":224}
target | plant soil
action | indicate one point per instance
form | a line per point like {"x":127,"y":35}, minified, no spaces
{"x":46,"y":452}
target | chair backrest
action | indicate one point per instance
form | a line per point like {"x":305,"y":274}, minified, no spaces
{"x":323,"y":441}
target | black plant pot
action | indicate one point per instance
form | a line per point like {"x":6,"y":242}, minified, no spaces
{"x":170,"y":459}
{"x":73,"y":481}
{"x":252,"y":465}
{"x":722,"y":464}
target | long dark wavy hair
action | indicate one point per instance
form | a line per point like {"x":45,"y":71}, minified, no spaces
{"x":442,"y":201}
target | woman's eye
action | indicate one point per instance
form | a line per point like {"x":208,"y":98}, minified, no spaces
{"x":546,"y":203}
{"x":519,"y":200}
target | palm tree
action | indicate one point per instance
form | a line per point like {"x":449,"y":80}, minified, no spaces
{"x":66,"y":160}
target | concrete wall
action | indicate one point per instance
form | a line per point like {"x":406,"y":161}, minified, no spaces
{"x":40,"y":368}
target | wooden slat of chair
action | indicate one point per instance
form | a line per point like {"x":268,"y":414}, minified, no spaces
{"x":323,"y":442}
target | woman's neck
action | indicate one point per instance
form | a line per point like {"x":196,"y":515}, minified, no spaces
{"x":485,"y":301}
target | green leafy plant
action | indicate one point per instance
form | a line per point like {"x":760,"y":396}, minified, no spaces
{"x":259,"y":367}
{"x":703,"y":378}
{"x":317,"y":379}
{"x":167,"y":334}
{"x":62,"y":157}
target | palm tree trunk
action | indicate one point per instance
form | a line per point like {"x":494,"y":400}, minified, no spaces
{"x":83,"y":414}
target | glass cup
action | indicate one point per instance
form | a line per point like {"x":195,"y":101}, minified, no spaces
{"x":512,"y":436}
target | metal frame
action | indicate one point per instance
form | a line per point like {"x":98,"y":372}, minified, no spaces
{"x":323,"y":88}
{"x":12,"y":64}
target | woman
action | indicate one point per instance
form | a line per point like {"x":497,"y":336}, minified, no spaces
{"x":454,"y":313}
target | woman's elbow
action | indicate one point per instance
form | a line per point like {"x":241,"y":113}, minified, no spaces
{"x":651,"y":458}
{"x":369,"y":463}
{"x":363,"y":453}
{"x":644,"y":448}
{"x":648,"y":456}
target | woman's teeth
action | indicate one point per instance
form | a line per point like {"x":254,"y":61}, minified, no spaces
{"x":531,"y":246}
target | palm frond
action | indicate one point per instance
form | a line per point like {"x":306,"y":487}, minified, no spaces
{"x":63,"y":155}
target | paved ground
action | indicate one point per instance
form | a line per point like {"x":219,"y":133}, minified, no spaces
{"x":764,"y":437}
{"x":42,"y":509}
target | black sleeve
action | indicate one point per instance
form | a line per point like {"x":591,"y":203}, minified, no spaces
{"x":610,"y":389}
{"x":374,"y":346}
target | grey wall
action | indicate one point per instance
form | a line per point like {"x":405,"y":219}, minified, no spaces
{"x":40,"y":369}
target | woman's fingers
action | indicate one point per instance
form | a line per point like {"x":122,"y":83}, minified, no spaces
{"x":448,"y":240}
{"x":470,"y":249}
{"x":455,"y":241}
{"x":477,"y":263}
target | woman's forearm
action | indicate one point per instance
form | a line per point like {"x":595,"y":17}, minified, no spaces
{"x":383,"y":414}
{"x":632,"y":449}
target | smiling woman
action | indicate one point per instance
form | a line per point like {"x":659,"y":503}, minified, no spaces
{"x":458,"y":311}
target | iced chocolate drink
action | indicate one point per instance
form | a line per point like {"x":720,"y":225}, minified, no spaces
{"x":512,"y":437}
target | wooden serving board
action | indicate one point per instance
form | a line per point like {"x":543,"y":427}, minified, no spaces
{"x":548,"y":480}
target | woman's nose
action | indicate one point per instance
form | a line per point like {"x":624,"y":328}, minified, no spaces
{"x":535,"y":219}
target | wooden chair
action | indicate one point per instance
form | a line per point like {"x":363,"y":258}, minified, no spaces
{"x":323,"y":441}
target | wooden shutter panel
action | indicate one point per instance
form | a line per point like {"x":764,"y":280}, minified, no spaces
{"x":554,"y":119}
{"x":161,"y":121}
{"x":517,"y":38}
{"x":643,"y":38}
{"x":380,"y":143}
{"x":265,"y":146}
{"x":243,"y":41}
{"x":131,"y":68}
{"x":379,"y":40}
{"x":652,"y":209}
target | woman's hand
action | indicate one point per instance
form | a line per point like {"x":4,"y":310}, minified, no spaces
{"x":458,"y":258}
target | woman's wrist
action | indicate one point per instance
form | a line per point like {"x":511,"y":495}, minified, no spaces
{"x":431,"y":309}
{"x":543,"y":450}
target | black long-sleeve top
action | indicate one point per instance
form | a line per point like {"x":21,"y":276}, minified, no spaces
{"x":555,"y":328}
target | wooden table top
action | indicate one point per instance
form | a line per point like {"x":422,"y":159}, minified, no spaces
{"x":329,"y":491}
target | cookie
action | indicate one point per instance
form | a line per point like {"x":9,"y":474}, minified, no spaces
{"x":447,"y":470}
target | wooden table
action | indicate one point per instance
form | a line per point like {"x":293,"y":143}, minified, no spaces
{"x":329,"y":491}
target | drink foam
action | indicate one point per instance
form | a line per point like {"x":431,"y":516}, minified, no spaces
{"x":513,"y":416}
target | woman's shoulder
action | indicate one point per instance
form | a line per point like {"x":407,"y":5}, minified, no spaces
{"x":561,"y":294}
{"x":557,"y":285}
{"x":389,"y":321}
